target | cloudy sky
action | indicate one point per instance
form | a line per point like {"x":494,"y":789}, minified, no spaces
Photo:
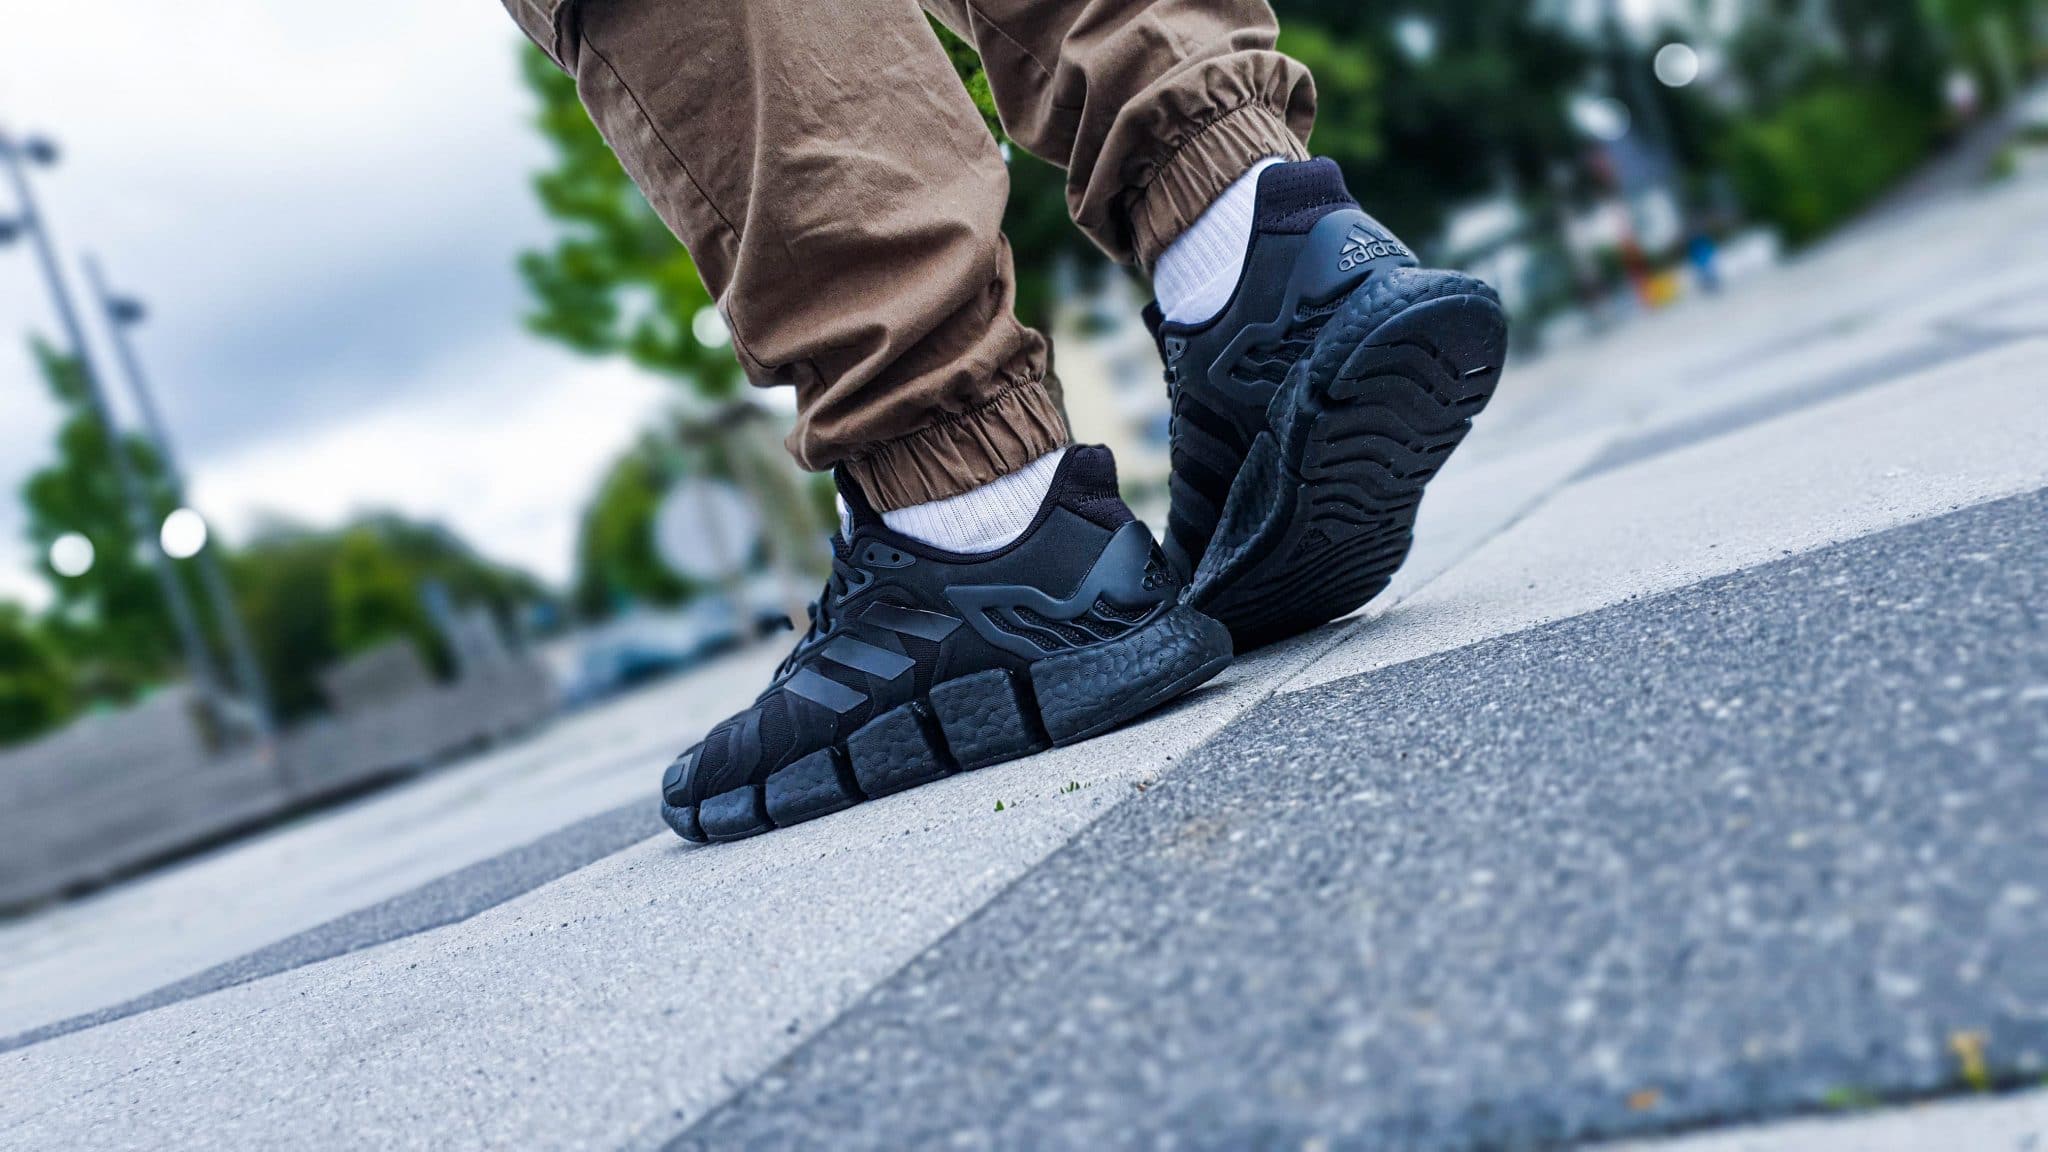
{"x":321,"y":205}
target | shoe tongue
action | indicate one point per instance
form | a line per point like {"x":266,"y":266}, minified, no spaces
{"x":1292,"y":197}
{"x":1086,"y":485}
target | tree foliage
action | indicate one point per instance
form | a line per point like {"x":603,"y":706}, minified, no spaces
{"x":111,"y":621}
{"x":375,"y":598}
{"x":1830,"y":122}
{"x":36,"y":690}
{"x":1487,"y":104}
{"x":1826,"y":155}
{"x":616,"y":281}
{"x":2000,"y":41}
{"x":313,"y":598}
{"x":282,"y":583}
{"x":616,"y":562}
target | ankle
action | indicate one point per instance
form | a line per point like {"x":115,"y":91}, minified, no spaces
{"x":983,"y":518}
{"x":1197,"y":273}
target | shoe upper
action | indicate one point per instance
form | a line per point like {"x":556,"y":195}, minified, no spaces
{"x":898,"y":616}
{"x":1311,"y":245}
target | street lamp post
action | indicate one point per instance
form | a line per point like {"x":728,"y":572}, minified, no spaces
{"x":123,"y":313}
{"x":15,"y":158}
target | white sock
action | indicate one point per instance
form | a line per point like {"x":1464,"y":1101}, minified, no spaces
{"x":981,"y":519}
{"x":1198,"y":272}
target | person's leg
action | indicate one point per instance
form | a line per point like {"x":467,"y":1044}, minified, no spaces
{"x":991,"y":595}
{"x":843,"y":202}
{"x":1318,"y":377}
{"x":1153,"y":107}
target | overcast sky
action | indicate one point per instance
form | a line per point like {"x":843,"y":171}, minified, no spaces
{"x":321,"y":205}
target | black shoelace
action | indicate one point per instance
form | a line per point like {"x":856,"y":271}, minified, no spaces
{"x":844,"y":577}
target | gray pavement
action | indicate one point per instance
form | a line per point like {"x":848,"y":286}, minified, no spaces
{"x":1686,"y":830}
{"x":222,"y":917}
{"x":452,"y":898}
{"x":1737,"y":847}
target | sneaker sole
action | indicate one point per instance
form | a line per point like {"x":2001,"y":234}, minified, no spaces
{"x":972,"y":722}
{"x":1322,"y":512}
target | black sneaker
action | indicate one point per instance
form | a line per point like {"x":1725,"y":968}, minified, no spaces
{"x":1308,"y":415}
{"x":919,"y":663}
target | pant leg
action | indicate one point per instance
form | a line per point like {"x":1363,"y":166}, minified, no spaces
{"x":1152,"y":106}
{"x":843,"y":201}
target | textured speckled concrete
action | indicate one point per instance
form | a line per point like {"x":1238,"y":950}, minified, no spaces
{"x":1971,"y":430}
{"x":610,"y":1005}
{"x":1714,"y":854}
{"x":188,"y":920}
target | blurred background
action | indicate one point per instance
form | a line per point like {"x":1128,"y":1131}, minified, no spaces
{"x":356,"y":414}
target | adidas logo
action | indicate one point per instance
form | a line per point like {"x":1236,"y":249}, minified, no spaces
{"x":1362,"y":247}
{"x":881,"y":665}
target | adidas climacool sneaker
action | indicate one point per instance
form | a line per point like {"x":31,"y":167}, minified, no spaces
{"x":919,"y":663}
{"x":1310,"y":412}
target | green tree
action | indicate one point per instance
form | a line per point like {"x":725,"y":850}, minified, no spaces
{"x":1348,"y":99}
{"x":112,"y":620}
{"x":283,"y":580}
{"x":36,"y":692}
{"x":313,"y":598}
{"x":616,"y":281}
{"x":1485,"y":104}
{"x":375,"y":597}
{"x":616,"y":562}
{"x":2000,"y":41}
{"x":1826,"y":155}
{"x":1893,"y":44}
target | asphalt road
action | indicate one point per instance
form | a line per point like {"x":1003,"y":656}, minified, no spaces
{"x":1723,"y":852}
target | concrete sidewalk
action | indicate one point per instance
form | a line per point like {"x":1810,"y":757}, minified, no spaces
{"x":177,"y":925}
{"x":1692,"y":772}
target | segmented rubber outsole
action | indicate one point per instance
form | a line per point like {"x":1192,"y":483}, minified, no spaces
{"x":972,"y":722}
{"x":1322,"y":512}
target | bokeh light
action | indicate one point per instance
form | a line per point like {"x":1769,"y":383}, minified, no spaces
{"x":71,"y":555}
{"x":709,"y":328}
{"x":1601,"y":117}
{"x":1676,"y":65}
{"x":183,"y":534}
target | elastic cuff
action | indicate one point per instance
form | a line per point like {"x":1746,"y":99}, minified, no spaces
{"x":961,"y":451}
{"x":1207,"y":164}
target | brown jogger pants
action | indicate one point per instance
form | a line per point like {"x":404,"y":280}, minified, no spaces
{"x":843,"y":199}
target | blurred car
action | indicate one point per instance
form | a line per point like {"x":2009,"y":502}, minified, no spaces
{"x":642,"y":645}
